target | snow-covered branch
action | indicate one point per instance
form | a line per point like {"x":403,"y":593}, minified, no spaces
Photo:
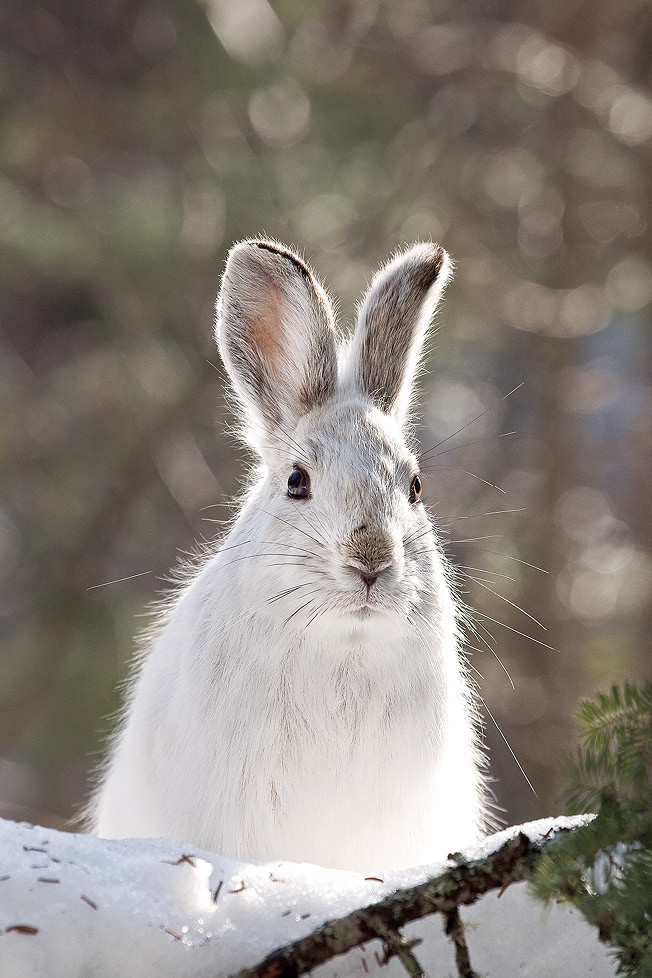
{"x":76,"y":905}
{"x":459,"y":885}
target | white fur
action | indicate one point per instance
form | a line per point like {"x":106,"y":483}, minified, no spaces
{"x":273,"y":723}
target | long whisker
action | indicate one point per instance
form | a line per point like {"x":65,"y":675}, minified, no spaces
{"x":293,"y":526}
{"x":290,"y":442}
{"x":491,"y":649}
{"x":484,"y":570}
{"x":485,"y":580}
{"x":474,"y":648}
{"x":509,"y":748}
{"x":234,"y":546}
{"x":515,"y":630}
{"x":478,"y":624}
{"x":300,"y":608}
{"x":284,"y":563}
{"x":511,"y":603}
{"x":416,"y":535}
{"x":417,"y":611}
{"x":258,"y":556}
{"x":260,"y":606}
{"x":458,"y":468}
{"x":246,"y":614}
{"x":477,"y":418}
{"x":288,"y":591}
{"x":470,"y":665}
{"x":414,"y":538}
{"x":298,"y":507}
{"x":497,"y":554}
{"x":476,"y":516}
{"x":469,"y":444}
{"x":320,"y":611}
{"x":237,"y":560}
{"x":290,"y":546}
{"x":119,"y":580}
{"x":471,"y":625}
{"x":489,"y":536}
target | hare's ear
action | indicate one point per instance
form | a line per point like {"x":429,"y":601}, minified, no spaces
{"x":276,"y":335}
{"x":392,"y":323}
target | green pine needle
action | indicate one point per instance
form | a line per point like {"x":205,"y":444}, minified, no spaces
{"x":605,"y":867}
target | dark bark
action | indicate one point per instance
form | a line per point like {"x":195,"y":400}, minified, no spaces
{"x":461,"y":885}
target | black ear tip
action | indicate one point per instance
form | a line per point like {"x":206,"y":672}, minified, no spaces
{"x":443,"y":262}
{"x":425,"y":263}
{"x":438,"y":259}
{"x":439,"y":255}
{"x":257,"y":251}
{"x":286,"y":253}
{"x":432,"y":254}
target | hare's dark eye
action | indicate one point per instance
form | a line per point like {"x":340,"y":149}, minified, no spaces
{"x":298,"y":484}
{"x":415,"y":489}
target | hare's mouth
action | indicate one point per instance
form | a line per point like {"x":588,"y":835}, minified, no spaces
{"x":366,"y":610}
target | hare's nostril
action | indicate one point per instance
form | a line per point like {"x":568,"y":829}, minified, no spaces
{"x":366,"y":576}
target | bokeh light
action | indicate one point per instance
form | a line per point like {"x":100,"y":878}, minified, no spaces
{"x":138,"y":142}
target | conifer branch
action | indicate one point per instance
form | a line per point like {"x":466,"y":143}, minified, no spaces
{"x":605,"y":867}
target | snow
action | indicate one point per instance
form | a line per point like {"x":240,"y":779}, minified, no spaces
{"x":74,"y":906}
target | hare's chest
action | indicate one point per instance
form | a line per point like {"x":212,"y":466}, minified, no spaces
{"x":337,"y":751}
{"x":338,"y":744}
{"x":337,"y":790}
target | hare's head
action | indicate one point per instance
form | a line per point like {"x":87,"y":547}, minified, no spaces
{"x":329,"y":420}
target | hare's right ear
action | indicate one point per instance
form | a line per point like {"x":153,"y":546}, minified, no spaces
{"x":392,"y":324}
{"x":276,"y":335}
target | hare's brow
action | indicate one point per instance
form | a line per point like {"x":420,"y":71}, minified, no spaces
{"x":313,"y":450}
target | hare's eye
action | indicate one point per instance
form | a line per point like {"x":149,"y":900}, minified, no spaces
{"x":415,"y":489}
{"x":298,"y":484}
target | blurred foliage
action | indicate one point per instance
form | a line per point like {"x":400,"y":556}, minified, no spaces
{"x":605,"y":867}
{"x":141,"y":138}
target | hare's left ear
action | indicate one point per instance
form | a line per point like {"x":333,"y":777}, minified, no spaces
{"x":276,"y":334}
{"x":392,"y":325}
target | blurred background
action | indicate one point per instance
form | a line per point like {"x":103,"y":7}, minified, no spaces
{"x":139,"y":139}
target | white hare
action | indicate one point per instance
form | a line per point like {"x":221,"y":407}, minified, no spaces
{"x":305,"y":697}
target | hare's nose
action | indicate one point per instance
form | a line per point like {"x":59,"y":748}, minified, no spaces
{"x":368,"y":575}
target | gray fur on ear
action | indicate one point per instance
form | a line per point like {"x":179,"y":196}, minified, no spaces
{"x":392,"y":324}
{"x":276,"y":335}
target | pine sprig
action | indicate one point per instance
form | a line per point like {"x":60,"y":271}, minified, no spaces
{"x":614,"y":757}
{"x":605,"y":867}
{"x":615,"y":717}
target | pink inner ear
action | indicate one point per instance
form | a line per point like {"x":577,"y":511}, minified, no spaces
{"x":266,"y":324}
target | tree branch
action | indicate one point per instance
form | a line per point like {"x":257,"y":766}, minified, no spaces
{"x":398,"y":946}
{"x":461,"y":885}
{"x":455,"y":930}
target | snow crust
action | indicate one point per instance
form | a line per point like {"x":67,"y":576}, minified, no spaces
{"x":74,"y":906}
